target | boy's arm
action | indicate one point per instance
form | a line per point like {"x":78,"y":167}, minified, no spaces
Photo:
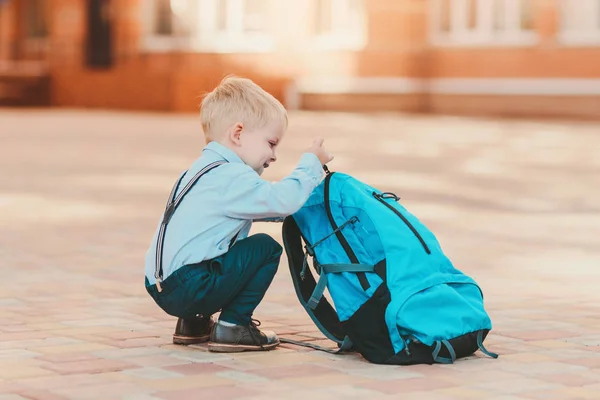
{"x":250,"y":197}
{"x":273,"y":219}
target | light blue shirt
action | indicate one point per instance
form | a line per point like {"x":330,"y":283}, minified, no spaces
{"x":224,"y":202}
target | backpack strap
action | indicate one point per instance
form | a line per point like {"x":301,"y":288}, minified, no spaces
{"x":172,"y":204}
{"x":438,"y":346}
{"x":322,"y":314}
{"x":451,"y":351}
{"x":346,"y":345}
{"x":317,"y":294}
{"x":482,"y":347}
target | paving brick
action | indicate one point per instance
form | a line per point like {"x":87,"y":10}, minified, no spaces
{"x":516,"y":386}
{"x":12,"y":397}
{"x":7,"y":387}
{"x":384,"y":373}
{"x":350,"y":391}
{"x":571,"y":353}
{"x":219,"y":392}
{"x":541,"y":335}
{"x":131,"y":352}
{"x":136,"y":342}
{"x":124,"y":335}
{"x":293,"y":371}
{"x":89,"y":366}
{"x":157,"y":361}
{"x":19,"y":329}
{"x":562,"y":393}
{"x":422,"y":394}
{"x":467,"y":377}
{"x":407,"y":385}
{"x":17,"y":353}
{"x":543,"y":368}
{"x":66,"y":357}
{"x":40,"y":395}
{"x":244,"y":377}
{"x":114,"y":390}
{"x":139,"y":396}
{"x":239,"y":365}
{"x":20,"y":371}
{"x":529,"y":357}
{"x":47,"y":326}
{"x":16,"y":336}
{"x":187,"y":382}
{"x":69,"y":331}
{"x":574,"y":379}
{"x":272,"y":358}
{"x":197,"y":368}
{"x":54,"y":382}
{"x":588,"y":362}
{"x":71,"y":348}
{"x":463,"y":393}
{"x":552,"y":344}
{"x":34,"y":343}
{"x":152,"y":373}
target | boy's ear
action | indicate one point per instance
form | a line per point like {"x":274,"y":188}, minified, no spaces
{"x":236,"y":132}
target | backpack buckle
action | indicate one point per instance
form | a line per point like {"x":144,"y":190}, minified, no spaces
{"x":304,"y":267}
{"x":309,"y":250}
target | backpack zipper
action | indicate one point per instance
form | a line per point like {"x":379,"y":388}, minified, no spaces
{"x":380,"y":198}
{"x":362,"y":277}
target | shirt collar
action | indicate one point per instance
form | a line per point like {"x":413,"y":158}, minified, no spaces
{"x":223,"y":151}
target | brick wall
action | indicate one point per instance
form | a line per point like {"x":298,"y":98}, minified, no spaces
{"x":398,"y":49}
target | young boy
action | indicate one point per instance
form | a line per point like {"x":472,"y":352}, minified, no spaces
{"x":207,"y":262}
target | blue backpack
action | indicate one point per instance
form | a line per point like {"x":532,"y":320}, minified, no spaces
{"x":398,"y":299}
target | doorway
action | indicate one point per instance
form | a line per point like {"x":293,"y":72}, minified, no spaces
{"x":99,"y":46}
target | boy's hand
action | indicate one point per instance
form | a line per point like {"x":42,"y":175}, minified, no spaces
{"x":319,"y":150}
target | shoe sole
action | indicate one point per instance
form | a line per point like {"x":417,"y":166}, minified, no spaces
{"x":236,"y":348}
{"x":185,"y":340}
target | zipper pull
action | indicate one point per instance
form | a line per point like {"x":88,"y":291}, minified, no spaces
{"x":406,"y":350}
{"x":406,"y":343}
{"x":304,"y":267}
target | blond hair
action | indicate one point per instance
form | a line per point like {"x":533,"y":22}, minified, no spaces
{"x":239,"y":100}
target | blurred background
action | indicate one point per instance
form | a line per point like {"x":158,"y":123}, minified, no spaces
{"x":471,"y":57}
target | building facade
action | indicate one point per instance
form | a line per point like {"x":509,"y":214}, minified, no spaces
{"x":478,"y":57}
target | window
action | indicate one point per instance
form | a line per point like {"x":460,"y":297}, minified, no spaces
{"x":208,"y":25}
{"x":35,"y":19}
{"x":340,"y":24}
{"x":35,"y":29}
{"x":482,"y":22}
{"x":580,"y":22}
{"x":234,"y":25}
{"x":168,"y":19}
{"x":168,"y":24}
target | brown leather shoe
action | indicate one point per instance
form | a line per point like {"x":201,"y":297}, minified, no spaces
{"x":193,"y":331}
{"x":232,"y":339}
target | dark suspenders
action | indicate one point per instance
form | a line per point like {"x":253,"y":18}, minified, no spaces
{"x":173,"y":203}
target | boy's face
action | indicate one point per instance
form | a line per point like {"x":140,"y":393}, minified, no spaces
{"x":257,"y":147}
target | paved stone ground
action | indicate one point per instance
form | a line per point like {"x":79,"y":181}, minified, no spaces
{"x":515,"y":204}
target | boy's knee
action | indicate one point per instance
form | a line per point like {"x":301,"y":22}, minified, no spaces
{"x":271,"y":244}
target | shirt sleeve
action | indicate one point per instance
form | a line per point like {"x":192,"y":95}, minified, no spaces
{"x":248,"y":196}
